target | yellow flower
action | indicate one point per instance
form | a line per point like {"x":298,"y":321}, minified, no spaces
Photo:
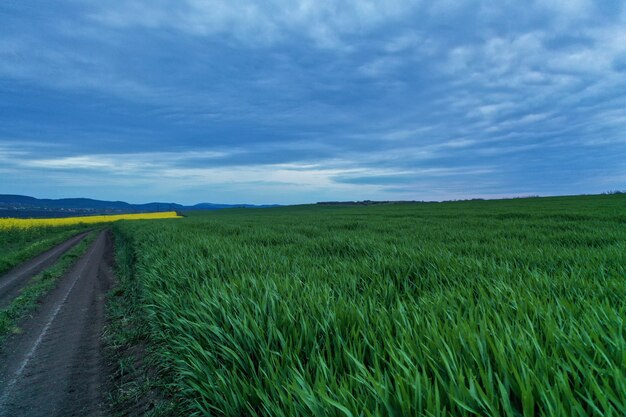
{"x":10,"y":223}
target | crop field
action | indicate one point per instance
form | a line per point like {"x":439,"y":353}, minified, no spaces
{"x":488,"y":308}
{"x":13,"y":223}
{"x":21,"y":239}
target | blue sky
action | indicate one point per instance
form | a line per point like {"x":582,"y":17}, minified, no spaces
{"x":296,"y":101}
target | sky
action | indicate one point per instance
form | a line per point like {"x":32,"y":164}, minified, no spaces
{"x":298,"y":101}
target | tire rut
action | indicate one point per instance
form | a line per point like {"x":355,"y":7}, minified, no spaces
{"x":56,"y":367}
{"x":14,"y":281}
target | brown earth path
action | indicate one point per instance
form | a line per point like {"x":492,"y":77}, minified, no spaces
{"x":55,"y":367}
{"x":16,"y":279}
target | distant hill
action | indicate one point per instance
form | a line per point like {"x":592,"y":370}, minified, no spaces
{"x":24,"y":206}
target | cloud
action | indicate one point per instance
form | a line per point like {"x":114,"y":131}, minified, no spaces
{"x":309,"y":100}
{"x":322,"y":21}
{"x":412,"y":177}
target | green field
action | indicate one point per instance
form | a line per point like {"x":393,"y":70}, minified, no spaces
{"x":488,"y":308}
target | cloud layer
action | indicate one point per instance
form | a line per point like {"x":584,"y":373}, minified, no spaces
{"x":300,"y":101}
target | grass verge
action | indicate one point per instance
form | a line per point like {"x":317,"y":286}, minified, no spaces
{"x":38,"y":287}
{"x":138,"y":383}
{"x":20,"y":246}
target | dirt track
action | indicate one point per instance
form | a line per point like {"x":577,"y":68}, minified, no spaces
{"x":55,"y":366}
{"x":13,"y":281}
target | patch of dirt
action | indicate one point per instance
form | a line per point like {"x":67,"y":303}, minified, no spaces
{"x":134,"y":395}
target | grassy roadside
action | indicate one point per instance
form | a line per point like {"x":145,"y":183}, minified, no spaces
{"x":138,"y":379}
{"x":21,"y":245}
{"x":39,"y":286}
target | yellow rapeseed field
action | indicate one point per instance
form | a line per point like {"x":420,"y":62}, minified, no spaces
{"x":68,"y":221}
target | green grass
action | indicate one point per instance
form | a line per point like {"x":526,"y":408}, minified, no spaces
{"x":38,"y":287}
{"x":137,"y":384}
{"x":20,"y":245}
{"x":488,"y":308}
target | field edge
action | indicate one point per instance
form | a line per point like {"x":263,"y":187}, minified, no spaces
{"x":138,"y":384}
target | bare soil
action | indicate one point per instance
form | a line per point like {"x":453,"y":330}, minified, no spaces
{"x":55,"y":367}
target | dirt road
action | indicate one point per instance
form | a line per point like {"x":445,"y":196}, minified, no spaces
{"x":55,"y":366}
{"x":13,"y":281}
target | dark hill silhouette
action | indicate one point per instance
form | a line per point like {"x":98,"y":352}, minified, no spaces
{"x":12,"y":205}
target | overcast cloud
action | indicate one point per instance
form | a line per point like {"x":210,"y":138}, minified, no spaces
{"x":300,"y":101}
